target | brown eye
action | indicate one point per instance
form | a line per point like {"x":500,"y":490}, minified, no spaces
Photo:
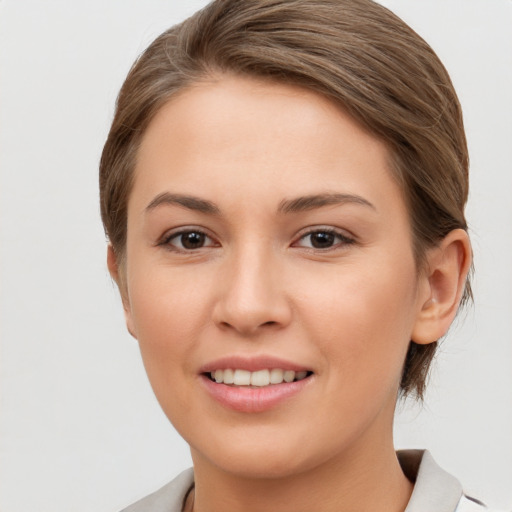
{"x":192,"y":240}
{"x":324,"y":239}
{"x":189,"y":240}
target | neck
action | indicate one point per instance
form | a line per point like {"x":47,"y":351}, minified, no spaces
{"x":357,"y":482}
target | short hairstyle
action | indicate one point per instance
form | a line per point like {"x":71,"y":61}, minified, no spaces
{"x":356,"y":53}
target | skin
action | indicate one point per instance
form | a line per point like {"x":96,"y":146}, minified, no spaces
{"x":346,"y":311}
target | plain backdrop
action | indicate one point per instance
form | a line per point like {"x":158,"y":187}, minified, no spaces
{"x":80,"y":429}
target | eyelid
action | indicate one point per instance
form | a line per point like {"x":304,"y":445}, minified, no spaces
{"x":165,"y":239}
{"x":345,"y":238}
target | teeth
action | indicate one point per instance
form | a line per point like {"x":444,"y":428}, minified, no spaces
{"x":242,"y":378}
{"x":259,"y":378}
{"x":229,"y":376}
{"x":289,"y":375}
{"x":276,"y":376}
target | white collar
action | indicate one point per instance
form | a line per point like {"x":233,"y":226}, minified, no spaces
{"x":435,"y":490}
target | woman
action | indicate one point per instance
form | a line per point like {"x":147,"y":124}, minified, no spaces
{"x":283,"y":188}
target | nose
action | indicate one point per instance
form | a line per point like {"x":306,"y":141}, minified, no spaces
{"x":252,"y":296}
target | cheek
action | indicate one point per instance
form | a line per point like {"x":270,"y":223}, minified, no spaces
{"x":166,"y":303}
{"x":362,"y":318}
{"x":167,"y":309}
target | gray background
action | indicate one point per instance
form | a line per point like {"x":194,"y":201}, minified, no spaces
{"x":80,"y":429}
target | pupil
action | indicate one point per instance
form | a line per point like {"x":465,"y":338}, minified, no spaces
{"x":322,"y":239}
{"x":192,"y":240}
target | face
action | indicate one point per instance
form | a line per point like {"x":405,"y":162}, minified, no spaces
{"x":270,"y":277}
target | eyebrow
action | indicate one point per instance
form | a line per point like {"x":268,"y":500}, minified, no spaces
{"x":299,"y":204}
{"x":189,"y":202}
{"x":311,"y":202}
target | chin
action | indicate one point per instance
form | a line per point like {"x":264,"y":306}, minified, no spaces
{"x":268,"y":458}
{"x":258,"y":467}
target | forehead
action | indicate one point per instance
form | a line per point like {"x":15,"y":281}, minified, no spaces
{"x":261,"y":140}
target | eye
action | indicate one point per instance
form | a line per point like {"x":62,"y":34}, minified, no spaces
{"x":323,"y":239}
{"x":188,"y":240}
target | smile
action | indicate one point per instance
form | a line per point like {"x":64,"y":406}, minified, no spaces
{"x":255,"y":384}
{"x":260,"y":378}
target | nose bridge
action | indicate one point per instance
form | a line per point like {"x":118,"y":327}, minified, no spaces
{"x":252,"y":292}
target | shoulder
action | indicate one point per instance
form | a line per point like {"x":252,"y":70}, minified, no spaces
{"x":169,"y":498}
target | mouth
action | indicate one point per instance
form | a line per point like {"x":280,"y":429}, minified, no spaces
{"x":255,"y":384}
{"x":256,"y":379}
{"x":255,"y":391}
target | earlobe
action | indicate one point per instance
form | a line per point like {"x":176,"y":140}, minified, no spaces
{"x":448,"y":265}
{"x":117,"y":275}
{"x":112,"y":264}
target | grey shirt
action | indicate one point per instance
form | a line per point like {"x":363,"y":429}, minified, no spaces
{"x":434,"y":489}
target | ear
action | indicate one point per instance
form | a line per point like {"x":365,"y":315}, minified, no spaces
{"x":117,"y":274}
{"x":442,"y":286}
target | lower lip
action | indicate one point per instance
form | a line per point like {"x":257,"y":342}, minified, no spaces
{"x":245,"y":399}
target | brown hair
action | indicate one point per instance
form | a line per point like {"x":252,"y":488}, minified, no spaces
{"x":356,"y":53}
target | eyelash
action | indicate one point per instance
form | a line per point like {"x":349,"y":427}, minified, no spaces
{"x":342,"y":239}
{"x":166,"y":241}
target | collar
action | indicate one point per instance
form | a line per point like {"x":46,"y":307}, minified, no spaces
{"x":434,"y":488}
{"x":170,"y":498}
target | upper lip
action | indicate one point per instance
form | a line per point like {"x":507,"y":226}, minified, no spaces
{"x":252,"y":364}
